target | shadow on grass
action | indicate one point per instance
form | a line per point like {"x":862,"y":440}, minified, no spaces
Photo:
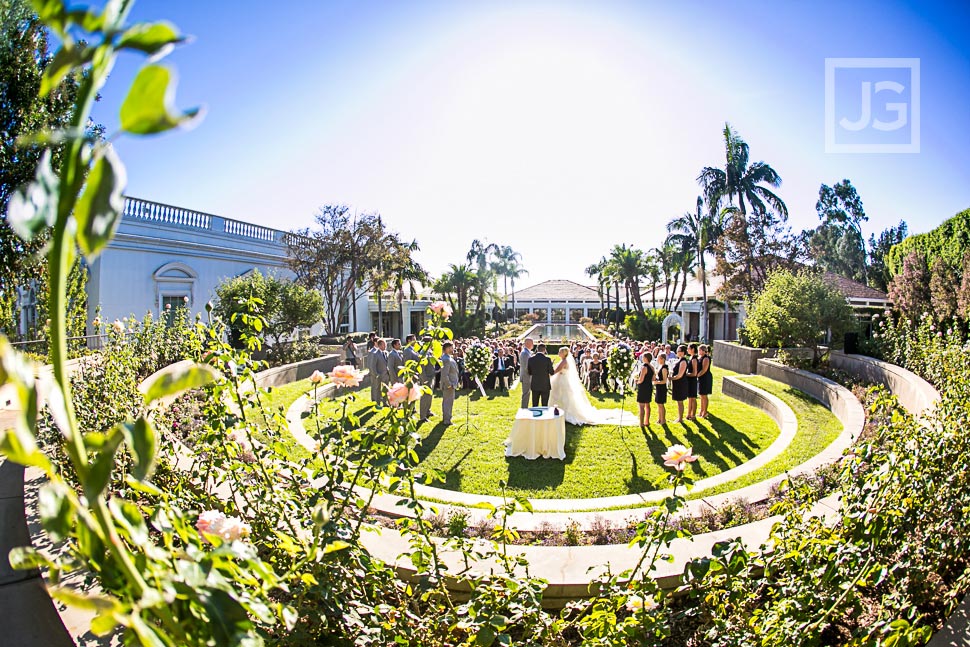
{"x":429,"y":442}
{"x":543,"y":473}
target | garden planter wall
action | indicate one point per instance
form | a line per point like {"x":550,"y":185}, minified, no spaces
{"x":744,"y":359}
{"x":914,"y":393}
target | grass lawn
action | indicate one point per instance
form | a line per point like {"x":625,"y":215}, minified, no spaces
{"x":280,"y":399}
{"x":817,"y":427}
{"x":600,"y":461}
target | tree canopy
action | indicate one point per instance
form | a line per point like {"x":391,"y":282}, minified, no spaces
{"x":797,"y":309}
{"x":950,"y":241}
{"x":284,"y":305}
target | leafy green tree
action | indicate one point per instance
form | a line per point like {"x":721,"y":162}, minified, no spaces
{"x":963,"y":296}
{"x":837,"y":244}
{"x":285,"y":305}
{"x":24,"y":56}
{"x":645,"y":326}
{"x":879,"y":275}
{"x":798,"y":310}
{"x":337,"y":258}
{"x":950,"y":241}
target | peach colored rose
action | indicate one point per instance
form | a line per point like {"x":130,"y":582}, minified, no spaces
{"x":346,"y":375}
{"x":213,"y":522}
{"x":441,"y":308}
{"x":397,"y":394}
{"x":637,"y":602}
{"x":678,"y":456}
{"x":118,"y":326}
{"x":414,"y":394}
{"x":316,"y":377}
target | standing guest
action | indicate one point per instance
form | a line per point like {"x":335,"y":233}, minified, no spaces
{"x":705,"y":379}
{"x":660,"y":384}
{"x":395,"y":360}
{"x":377,"y":365}
{"x":428,"y":371}
{"x":449,"y":381}
{"x":678,"y":381}
{"x":525,"y":380}
{"x":645,"y":388}
{"x":692,"y":367}
{"x":350,"y":352}
{"x":371,"y":341}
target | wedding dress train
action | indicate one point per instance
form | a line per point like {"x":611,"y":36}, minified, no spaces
{"x":569,"y":394}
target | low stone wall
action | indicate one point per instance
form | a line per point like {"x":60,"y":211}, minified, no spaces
{"x":914,"y":393}
{"x":744,"y":392}
{"x":822,"y":389}
{"x":280,"y":375}
{"x":744,"y":359}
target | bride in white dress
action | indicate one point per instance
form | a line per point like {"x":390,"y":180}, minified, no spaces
{"x":569,"y":394}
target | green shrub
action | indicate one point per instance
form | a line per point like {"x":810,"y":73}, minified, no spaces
{"x":950,"y":242}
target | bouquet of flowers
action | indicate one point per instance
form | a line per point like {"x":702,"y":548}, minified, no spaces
{"x":478,"y":362}
{"x":620,"y":363}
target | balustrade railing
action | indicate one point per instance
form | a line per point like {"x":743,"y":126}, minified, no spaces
{"x":165,"y":213}
{"x":139,"y":209}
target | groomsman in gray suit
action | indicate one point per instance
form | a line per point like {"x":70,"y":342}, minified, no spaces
{"x":395,"y":360}
{"x":525,"y":380}
{"x":425,"y":375}
{"x":449,"y":381}
{"x":377,"y":365}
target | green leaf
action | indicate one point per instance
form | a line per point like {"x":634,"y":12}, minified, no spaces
{"x":89,"y":602}
{"x":67,"y":58}
{"x":98,"y":210}
{"x":129,"y":518}
{"x":146,"y":634}
{"x":18,"y":445}
{"x":52,"y":13}
{"x":56,"y":511}
{"x":147,"y":108}
{"x":334,"y":546}
{"x":142,"y":442}
{"x":99,"y":472}
{"x":103,"y":624}
{"x":34,"y":207}
{"x":155,"y":39}
{"x":24,"y":558}
{"x":179,"y":379}
{"x":485,"y":636}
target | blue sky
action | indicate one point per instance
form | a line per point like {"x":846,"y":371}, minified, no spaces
{"x":560,"y":128}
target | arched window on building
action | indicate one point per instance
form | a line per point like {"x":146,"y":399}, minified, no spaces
{"x":174,"y":287}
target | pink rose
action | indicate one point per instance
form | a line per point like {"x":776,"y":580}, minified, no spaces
{"x":213,"y":522}
{"x":316,"y":377}
{"x":209,"y":519}
{"x":397,"y":394}
{"x":345,"y":375}
{"x":678,"y":456}
{"x":414,"y":394}
{"x":441,"y":308}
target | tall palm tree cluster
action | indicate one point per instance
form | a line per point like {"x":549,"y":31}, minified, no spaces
{"x":735,"y":220}
{"x":470,"y":286}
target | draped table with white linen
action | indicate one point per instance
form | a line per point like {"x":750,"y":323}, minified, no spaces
{"x":537,"y":436}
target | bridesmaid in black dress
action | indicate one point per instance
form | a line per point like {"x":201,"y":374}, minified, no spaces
{"x":645,"y":388}
{"x":660,"y":382}
{"x":678,"y":381}
{"x":693,"y":366}
{"x":705,"y":379}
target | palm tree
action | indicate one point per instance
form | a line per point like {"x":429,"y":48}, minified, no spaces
{"x":598,"y":270}
{"x":456,"y":285}
{"x":653,"y":271}
{"x":478,"y":253}
{"x":700,"y":230}
{"x":630,"y":265}
{"x":740,"y":180}
{"x":507,"y":264}
{"x":665,"y":258}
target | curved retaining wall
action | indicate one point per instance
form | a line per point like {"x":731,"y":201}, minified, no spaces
{"x":744,"y":359}
{"x":915,"y":394}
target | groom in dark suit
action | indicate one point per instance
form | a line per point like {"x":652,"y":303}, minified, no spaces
{"x":540,"y":369}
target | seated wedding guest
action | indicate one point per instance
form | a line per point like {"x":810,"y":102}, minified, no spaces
{"x":594,"y":374}
{"x":501,"y":371}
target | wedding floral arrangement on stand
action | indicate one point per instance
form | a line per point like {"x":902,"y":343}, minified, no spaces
{"x":620,"y":362}
{"x":478,"y":361}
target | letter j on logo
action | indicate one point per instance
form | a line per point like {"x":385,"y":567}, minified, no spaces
{"x":872,"y":105}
